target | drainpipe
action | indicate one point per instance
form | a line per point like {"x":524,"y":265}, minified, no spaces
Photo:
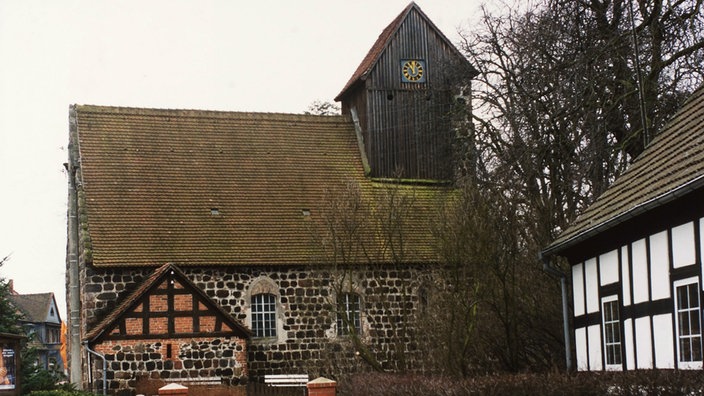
{"x":72,"y":271}
{"x":550,"y":270}
{"x":105,"y":367}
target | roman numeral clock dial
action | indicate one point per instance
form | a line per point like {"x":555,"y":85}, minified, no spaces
{"x":413,"y":70}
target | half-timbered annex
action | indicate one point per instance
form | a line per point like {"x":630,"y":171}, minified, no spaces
{"x":637,"y":257}
{"x":175,"y":330}
{"x":197,"y":246}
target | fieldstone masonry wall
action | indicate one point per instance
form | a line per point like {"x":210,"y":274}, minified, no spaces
{"x":306,"y":311}
{"x":178,"y":360}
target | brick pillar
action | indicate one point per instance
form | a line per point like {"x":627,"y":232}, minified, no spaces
{"x":322,"y":387}
{"x":173,"y":390}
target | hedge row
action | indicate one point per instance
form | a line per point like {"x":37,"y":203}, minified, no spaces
{"x":646,"y":382}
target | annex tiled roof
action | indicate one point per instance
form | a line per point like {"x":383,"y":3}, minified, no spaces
{"x":35,"y":307}
{"x":672,"y":165}
{"x":157,"y":276}
{"x":382,"y":42}
{"x":214,"y":188}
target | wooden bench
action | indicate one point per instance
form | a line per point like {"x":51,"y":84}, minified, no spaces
{"x":288,"y":380}
{"x":196,"y":381}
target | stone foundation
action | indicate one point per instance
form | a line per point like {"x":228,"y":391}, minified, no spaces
{"x":173,"y":360}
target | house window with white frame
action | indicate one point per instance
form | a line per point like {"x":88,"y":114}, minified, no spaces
{"x":689,"y":332}
{"x":348,"y":314}
{"x":612,"y":332}
{"x":264,"y":315}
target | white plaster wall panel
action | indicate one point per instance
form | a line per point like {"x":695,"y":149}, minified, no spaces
{"x":683,"y":250}
{"x":580,"y":341}
{"x":644,"y":346}
{"x":591,"y":285}
{"x":608,"y":267}
{"x":626,"y":274}
{"x":662,"y":337}
{"x":595,"y":360}
{"x":640,"y":271}
{"x":659,"y":266}
{"x":578,"y":289}
{"x":628,"y":344}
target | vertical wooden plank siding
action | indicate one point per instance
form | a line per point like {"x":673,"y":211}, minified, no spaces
{"x":408,"y":126}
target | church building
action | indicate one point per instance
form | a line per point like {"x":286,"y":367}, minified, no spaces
{"x":219,"y":247}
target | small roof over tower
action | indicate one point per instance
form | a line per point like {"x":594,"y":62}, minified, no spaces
{"x":386,"y":37}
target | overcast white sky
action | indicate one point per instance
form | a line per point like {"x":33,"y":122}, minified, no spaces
{"x":265,"y":55}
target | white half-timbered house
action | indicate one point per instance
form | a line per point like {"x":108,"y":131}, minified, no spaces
{"x":637,"y":257}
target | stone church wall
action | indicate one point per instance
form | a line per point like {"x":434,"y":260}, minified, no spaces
{"x":173,"y":360}
{"x":306,"y":338}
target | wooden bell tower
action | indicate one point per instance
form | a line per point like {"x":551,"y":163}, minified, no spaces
{"x":404,"y":99}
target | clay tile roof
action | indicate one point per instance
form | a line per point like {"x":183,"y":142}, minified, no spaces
{"x":212,"y":188}
{"x":34,"y":307}
{"x":154,"y":279}
{"x":671,"y":166}
{"x":381,"y":43}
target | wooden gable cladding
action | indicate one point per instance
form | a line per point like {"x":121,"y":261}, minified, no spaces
{"x":167,"y":305}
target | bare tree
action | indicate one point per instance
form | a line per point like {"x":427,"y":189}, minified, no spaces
{"x":558,"y":117}
{"x":362,"y":235}
{"x":320,"y":107}
{"x":490,"y":308}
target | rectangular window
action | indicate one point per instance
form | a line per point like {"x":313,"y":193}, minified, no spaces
{"x":53,"y":335}
{"x":689,"y":333}
{"x":348,"y":314}
{"x":612,"y":332}
{"x":264,"y":315}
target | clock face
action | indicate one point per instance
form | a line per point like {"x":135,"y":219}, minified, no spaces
{"x":413,"y":70}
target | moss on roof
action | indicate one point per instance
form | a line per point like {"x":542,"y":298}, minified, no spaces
{"x":197,"y":187}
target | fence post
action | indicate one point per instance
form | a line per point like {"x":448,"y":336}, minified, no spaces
{"x":173,"y":390}
{"x":322,"y":387}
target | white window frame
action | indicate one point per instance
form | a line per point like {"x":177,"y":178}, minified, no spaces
{"x":353,"y":315}
{"x":264,"y":315}
{"x":608,"y":326}
{"x":692,"y":364}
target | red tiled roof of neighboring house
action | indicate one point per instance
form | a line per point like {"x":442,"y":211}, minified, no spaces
{"x":153,"y":280}
{"x":34,"y":307}
{"x":381,"y":43}
{"x":194,"y":187}
{"x":672,"y":165}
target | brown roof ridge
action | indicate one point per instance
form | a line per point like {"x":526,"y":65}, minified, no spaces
{"x":133,"y":297}
{"x":92,"y":108}
{"x":377,"y":49}
{"x":33,"y":294}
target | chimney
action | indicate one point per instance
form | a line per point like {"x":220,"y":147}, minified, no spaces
{"x":11,"y":287}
